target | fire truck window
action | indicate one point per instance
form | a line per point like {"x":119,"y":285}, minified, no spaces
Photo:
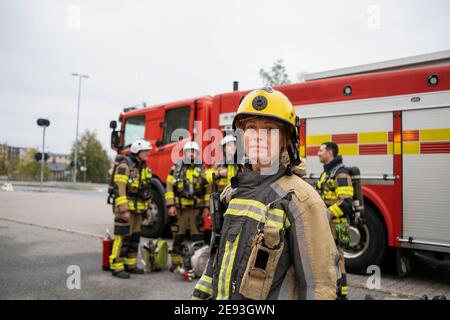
{"x":177,"y":118}
{"x":134,"y":129}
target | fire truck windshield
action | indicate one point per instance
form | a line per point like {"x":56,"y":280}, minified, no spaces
{"x":134,"y":129}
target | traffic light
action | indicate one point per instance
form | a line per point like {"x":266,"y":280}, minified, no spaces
{"x":43,"y":122}
{"x":38,"y":156}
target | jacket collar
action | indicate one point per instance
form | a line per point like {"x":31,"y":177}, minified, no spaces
{"x":249,"y":179}
{"x":335,"y":162}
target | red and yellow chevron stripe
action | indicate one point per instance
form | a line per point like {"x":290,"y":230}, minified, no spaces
{"x":424,"y":141}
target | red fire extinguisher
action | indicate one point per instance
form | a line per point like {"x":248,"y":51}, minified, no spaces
{"x":207,"y":223}
{"x":107,"y":247}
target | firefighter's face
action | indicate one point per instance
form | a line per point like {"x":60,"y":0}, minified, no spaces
{"x":230,"y":149}
{"x":143,"y":155}
{"x":190,"y":155}
{"x":325,"y":155}
{"x":262,"y":141}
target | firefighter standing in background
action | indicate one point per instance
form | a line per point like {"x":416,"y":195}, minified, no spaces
{"x":335,"y":187}
{"x":226,"y":169}
{"x":274,"y":241}
{"x":222,"y":171}
{"x":187,"y":200}
{"x":132,"y":193}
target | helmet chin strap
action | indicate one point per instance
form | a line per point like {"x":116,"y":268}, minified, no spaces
{"x":294,"y":157}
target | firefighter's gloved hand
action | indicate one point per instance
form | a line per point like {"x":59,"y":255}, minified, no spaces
{"x":172,"y":211}
{"x":125,"y":216}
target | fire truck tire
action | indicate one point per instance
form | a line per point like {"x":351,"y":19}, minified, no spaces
{"x":374,"y":252}
{"x":155,"y":224}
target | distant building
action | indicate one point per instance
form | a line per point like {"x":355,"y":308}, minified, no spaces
{"x":59,"y":165}
{"x":9,"y":156}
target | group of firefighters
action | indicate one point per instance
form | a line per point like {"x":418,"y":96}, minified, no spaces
{"x":274,"y":235}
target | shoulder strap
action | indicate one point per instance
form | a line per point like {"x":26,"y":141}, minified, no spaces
{"x":335,"y":170}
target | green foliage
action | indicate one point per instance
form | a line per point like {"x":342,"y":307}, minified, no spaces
{"x":30,"y":169}
{"x":275,"y":76}
{"x":97,"y":161}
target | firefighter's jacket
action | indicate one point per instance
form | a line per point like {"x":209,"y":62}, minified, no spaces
{"x":336,"y":189}
{"x":220,"y":181}
{"x":295,"y":257}
{"x":182,"y":175}
{"x":132,"y":180}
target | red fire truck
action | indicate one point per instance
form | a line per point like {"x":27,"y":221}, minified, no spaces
{"x":390,"y":119}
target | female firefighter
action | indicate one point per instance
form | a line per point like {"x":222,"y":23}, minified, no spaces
{"x":275,"y":241}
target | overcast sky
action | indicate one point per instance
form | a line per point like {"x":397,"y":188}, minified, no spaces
{"x":159,"y":51}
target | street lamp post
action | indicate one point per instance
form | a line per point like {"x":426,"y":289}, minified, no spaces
{"x":44,"y":123}
{"x":80,"y":76}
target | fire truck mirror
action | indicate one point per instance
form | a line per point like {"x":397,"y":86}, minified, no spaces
{"x":115,"y":139}
{"x":113,"y":124}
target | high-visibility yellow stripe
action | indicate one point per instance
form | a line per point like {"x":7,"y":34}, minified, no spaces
{"x":120,"y":178}
{"x":186,"y":202}
{"x":329,"y":195}
{"x":258,"y":211}
{"x":121,"y":200}
{"x":348,"y":149}
{"x":204,"y":289}
{"x":411,"y":148}
{"x":170,"y":179}
{"x":140,"y":205}
{"x":277,"y":224}
{"x":372,"y":137}
{"x":208,"y":175}
{"x":258,"y":217}
{"x":115,"y":254}
{"x":206,"y":278}
{"x":321,"y":180}
{"x":246,"y":213}
{"x":205,"y":284}
{"x":226,"y":268}
{"x":230,"y":173}
{"x":344,"y":191}
{"x":434,"y":134}
{"x":169,"y":195}
{"x":130,"y":261}
{"x":317,"y":140}
{"x":248,"y":202}
{"x":336,"y":211}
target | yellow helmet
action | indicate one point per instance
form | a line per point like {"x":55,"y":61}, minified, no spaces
{"x":267,"y":102}
{"x":270,"y":103}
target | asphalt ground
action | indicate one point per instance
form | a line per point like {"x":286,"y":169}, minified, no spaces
{"x":44,"y":235}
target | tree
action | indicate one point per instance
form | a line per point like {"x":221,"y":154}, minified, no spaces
{"x":97,"y":161}
{"x":30,"y":169}
{"x":275,"y":76}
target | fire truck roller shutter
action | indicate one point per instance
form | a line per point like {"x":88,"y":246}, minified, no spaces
{"x":426,"y":176}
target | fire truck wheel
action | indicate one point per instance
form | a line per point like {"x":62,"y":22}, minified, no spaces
{"x":153,"y":226}
{"x":372,"y":246}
